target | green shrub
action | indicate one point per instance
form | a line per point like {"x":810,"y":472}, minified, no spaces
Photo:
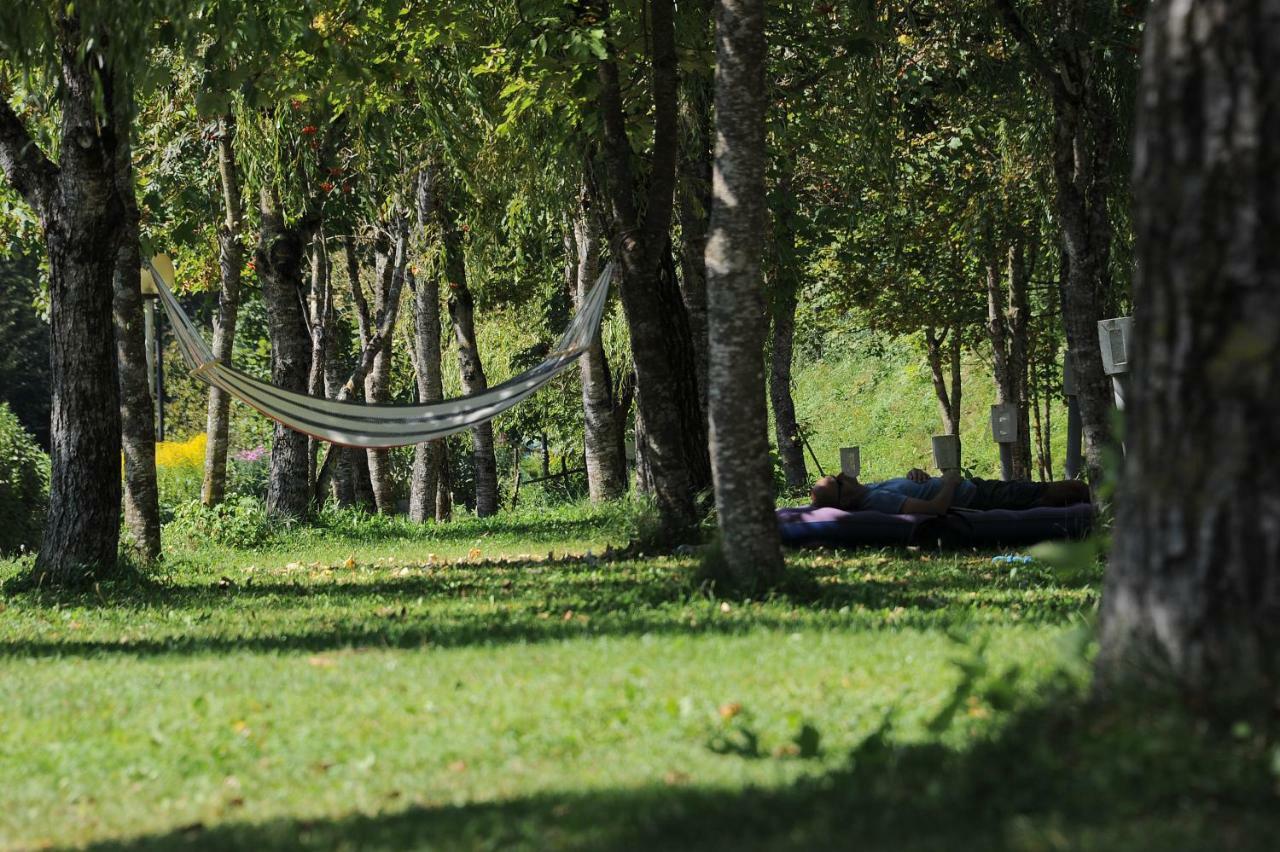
{"x":24,"y":485}
{"x":238,"y":522}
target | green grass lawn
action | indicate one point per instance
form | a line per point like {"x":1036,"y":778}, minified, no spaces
{"x":488,"y":685}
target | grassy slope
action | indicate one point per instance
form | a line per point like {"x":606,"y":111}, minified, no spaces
{"x":886,"y":405}
{"x":455,"y":688}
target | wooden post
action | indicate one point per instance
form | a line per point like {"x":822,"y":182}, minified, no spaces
{"x":850,"y":461}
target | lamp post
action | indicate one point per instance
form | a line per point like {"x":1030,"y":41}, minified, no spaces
{"x":1004,"y":429}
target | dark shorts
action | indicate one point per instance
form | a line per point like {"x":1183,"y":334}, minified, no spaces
{"x":997,"y":494}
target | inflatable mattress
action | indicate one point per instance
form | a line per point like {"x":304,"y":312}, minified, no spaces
{"x":809,"y":526}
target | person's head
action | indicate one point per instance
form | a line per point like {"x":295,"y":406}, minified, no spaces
{"x":839,"y":491}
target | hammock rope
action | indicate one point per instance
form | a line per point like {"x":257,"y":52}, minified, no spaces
{"x":381,"y":425}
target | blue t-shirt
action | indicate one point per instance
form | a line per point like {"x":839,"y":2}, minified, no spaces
{"x":888,"y":496}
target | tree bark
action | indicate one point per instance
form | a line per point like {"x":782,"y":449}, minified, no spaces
{"x":320,"y":310}
{"x":737,"y":319}
{"x":1192,"y":598}
{"x":948,"y":400}
{"x":230,"y":261}
{"x":79,"y":207}
{"x":1084,"y":138}
{"x":279,"y":264}
{"x":606,"y":462}
{"x":391,"y":251}
{"x":137,"y":411}
{"x":470,"y":368}
{"x":1018,"y":318}
{"x":428,"y":458}
{"x":662,"y":346}
{"x":785,"y":298}
{"x":693,"y":189}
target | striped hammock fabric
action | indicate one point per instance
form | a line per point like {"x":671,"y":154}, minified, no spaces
{"x":378,"y":426}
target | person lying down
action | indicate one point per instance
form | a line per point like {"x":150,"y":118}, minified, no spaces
{"x":918,"y":493}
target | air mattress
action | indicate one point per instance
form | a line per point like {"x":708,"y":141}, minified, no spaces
{"x":809,"y":526}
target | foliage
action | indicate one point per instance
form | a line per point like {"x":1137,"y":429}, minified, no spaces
{"x":238,"y":522}
{"x":179,"y":471}
{"x":24,"y":353}
{"x":24,"y":485}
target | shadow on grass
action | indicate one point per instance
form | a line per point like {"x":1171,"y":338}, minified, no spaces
{"x":1057,"y":776}
{"x":503,"y":602}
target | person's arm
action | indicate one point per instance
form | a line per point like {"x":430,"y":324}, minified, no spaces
{"x":938,"y":504}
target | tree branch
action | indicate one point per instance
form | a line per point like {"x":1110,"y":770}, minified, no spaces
{"x":28,"y":169}
{"x":1039,"y":59}
{"x":666,"y":146}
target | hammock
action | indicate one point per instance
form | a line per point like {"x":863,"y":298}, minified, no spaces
{"x":378,"y":426}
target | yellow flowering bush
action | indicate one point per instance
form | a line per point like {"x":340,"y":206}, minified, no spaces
{"x":179,"y":470}
{"x":188,"y":453}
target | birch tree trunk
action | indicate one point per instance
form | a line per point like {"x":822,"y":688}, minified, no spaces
{"x":392,"y":257}
{"x":1191,"y":602}
{"x":428,"y":458}
{"x":320,"y":307}
{"x":737,"y":319}
{"x":279,"y":263}
{"x":605,"y":460}
{"x":230,"y":261}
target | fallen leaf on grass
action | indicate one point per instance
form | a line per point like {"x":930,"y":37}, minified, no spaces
{"x":729,"y":710}
{"x":321,"y":662}
{"x":351,"y":562}
{"x":675,"y":777}
{"x":458,"y":766}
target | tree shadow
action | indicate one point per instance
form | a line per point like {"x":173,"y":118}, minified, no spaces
{"x":1059,"y":775}
{"x":531,"y":601}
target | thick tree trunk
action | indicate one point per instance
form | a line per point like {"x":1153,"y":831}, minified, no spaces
{"x":343,"y":482}
{"x":230,"y":260}
{"x":662,"y":345}
{"x":80,"y":210}
{"x":462,"y":316}
{"x":1192,"y":595}
{"x":785,"y":298}
{"x":279,"y":264}
{"x":137,"y":412}
{"x":428,"y":458}
{"x":605,"y":462}
{"x":737,"y":319}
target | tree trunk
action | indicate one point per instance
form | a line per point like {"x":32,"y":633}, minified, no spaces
{"x":786,"y":290}
{"x":605,"y":461}
{"x":137,"y":412}
{"x":320,"y":307}
{"x":230,"y":260}
{"x":428,"y":458}
{"x":1070,"y":64}
{"x":667,"y":396}
{"x":80,"y":210}
{"x":948,"y":400}
{"x":1192,"y":597}
{"x":343,"y":488}
{"x":279,"y":264}
{"x":693,"y":192}
{"x":1018,"y":319}
{"x":737,"y":319}
{"x":392,"y":257}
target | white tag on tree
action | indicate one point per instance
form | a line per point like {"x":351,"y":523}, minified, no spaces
{"x":1004,"y":423}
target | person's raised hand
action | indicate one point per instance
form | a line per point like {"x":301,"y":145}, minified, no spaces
{"x":917,"y":475}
